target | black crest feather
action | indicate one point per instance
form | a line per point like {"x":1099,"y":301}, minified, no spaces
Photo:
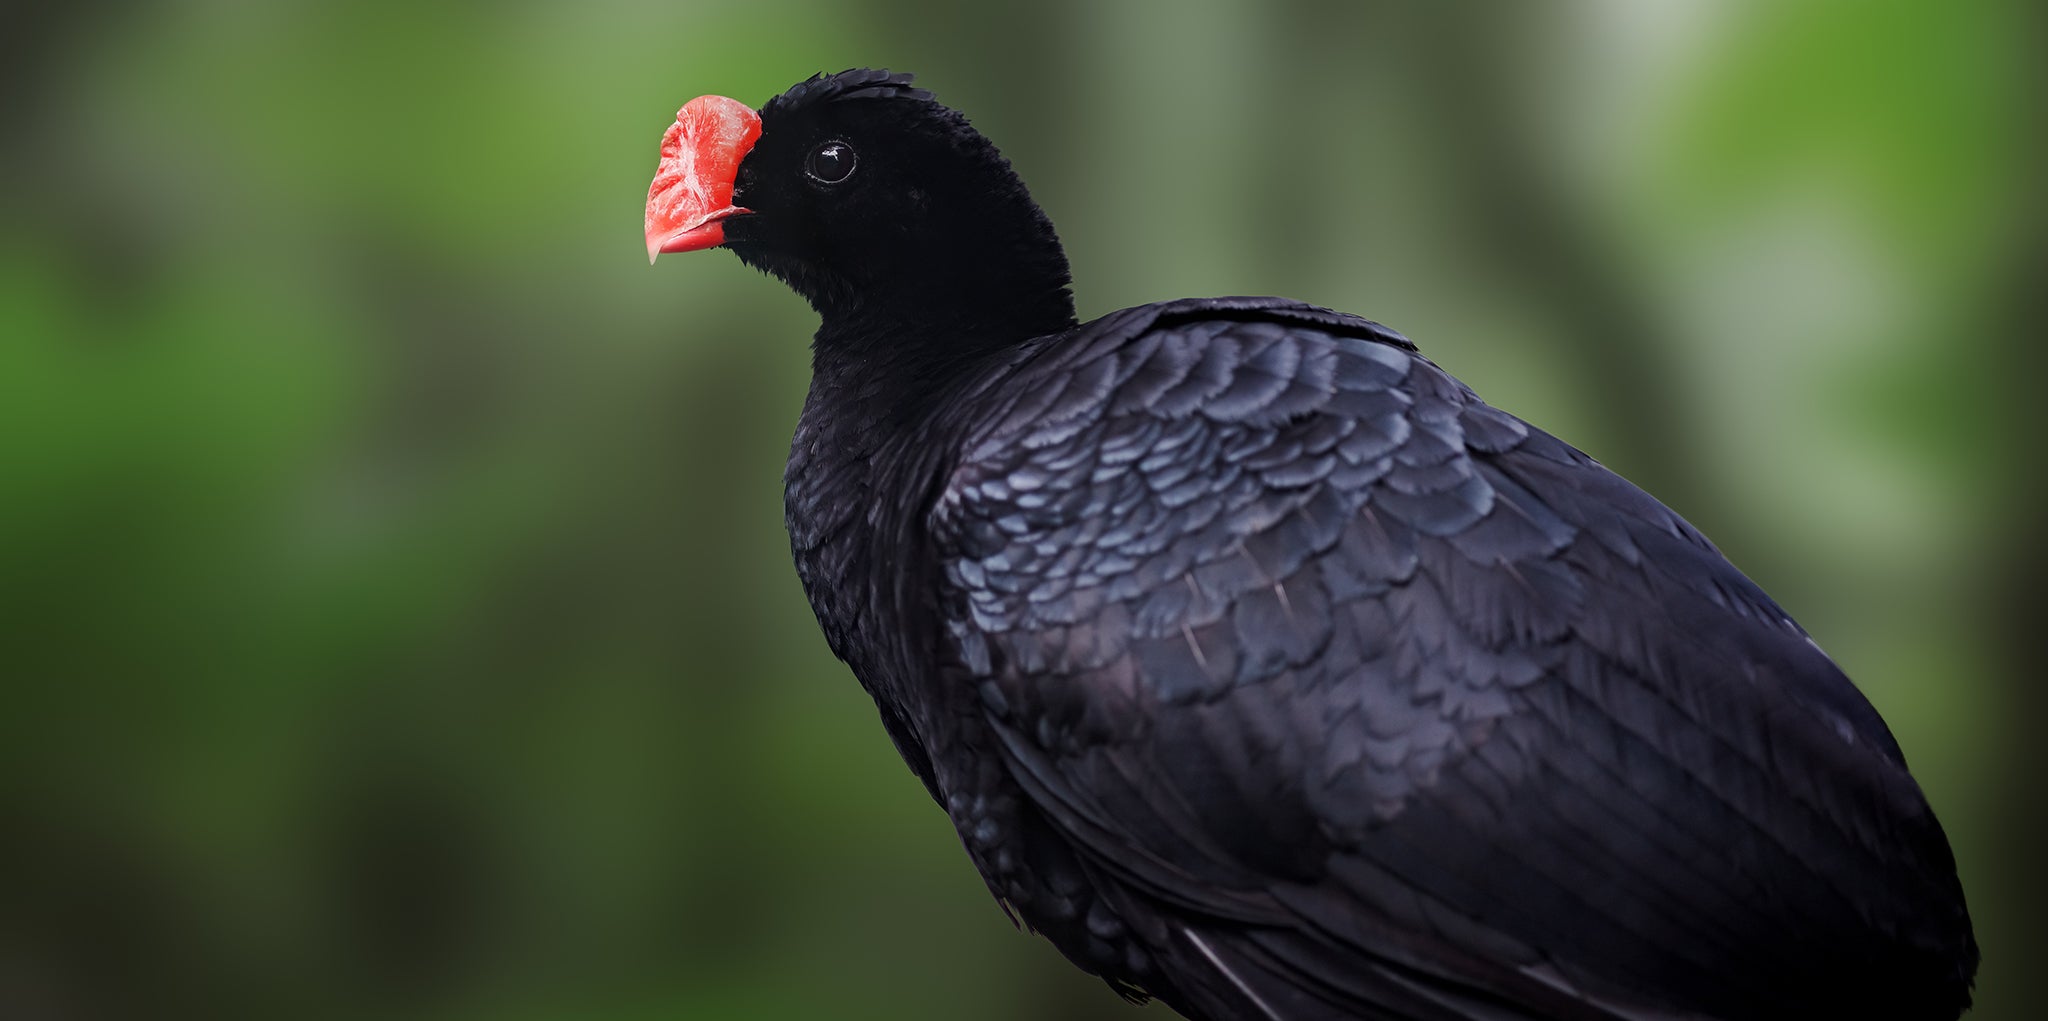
{"x":853,"y":83}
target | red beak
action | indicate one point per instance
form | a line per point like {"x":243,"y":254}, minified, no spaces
{"x":692,"y":189}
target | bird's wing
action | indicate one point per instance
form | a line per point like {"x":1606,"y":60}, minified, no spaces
{"x":1396,"y":699}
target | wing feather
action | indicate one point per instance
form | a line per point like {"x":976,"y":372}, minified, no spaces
{"x":1395,"y":703}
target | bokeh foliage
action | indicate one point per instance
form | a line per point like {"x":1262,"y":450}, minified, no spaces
{"x":396,"y":615}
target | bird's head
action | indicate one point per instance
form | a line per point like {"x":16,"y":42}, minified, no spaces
{"x":860,"y":191}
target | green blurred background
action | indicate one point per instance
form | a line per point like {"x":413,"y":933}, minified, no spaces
{"x":397,"y":619}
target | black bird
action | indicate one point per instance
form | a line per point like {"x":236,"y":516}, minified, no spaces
{"x":1263,"y":667}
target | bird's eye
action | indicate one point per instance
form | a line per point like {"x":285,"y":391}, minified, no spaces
{"x":830,"y":163}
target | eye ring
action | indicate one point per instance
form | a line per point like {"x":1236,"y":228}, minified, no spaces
{"x":831,"y":162}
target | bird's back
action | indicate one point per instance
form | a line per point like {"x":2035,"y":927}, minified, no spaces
{"x":1278,"y":674}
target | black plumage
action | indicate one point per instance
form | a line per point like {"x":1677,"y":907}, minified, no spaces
{"x":1267,"y":670}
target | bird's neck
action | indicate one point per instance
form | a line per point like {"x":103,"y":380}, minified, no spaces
{"x":866,"y":449}
{"x":973,"y":286}
{"x":885,"y":358}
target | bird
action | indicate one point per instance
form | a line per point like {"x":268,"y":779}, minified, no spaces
{"x":1263,"y":667}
